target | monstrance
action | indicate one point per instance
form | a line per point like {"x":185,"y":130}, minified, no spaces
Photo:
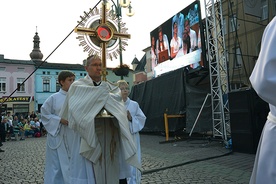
{"x":102,"y":34}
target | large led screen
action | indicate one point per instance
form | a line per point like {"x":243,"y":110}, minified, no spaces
{"x":177,"y":42}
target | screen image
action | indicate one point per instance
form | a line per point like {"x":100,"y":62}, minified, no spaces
{"x":177,"y":42}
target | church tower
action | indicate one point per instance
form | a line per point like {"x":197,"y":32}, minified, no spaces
{"x":36,"y":54}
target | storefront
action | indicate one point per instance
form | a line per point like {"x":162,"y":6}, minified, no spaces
{"x":17,"y":105}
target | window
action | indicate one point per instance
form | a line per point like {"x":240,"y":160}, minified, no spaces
{"x":2,"y":84}
{"x":56,"y":73}
{"x":233,"y":23}
{"x":224,"y":30}
{"x":264,"y":10}
{"x":46,"y":85}
{"x":20,"y":85}
{"x":48,"y":73}
{"x":237,"y":58}
{"x":57,"y":86}
{"x":236,"y":86}
{"x":21,"y":109}
{"x":20,"y":69}
{"x":43,"y":72}
{"x":2,"y":68}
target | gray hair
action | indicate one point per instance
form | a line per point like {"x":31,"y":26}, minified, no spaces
{"x":90,"y":59}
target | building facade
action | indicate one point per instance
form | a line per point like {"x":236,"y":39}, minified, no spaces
{"x":243,"y":29}
{"x":46,"y":79}
{"x":25,"y":85}
{"x":16,"y":86}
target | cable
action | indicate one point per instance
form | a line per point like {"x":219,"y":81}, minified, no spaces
{"x":86,"y":15}
{"x":184,"y":163}
{"x":237,"y":43}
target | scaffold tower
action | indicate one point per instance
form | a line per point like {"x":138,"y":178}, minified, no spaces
{"x":216,"y":55}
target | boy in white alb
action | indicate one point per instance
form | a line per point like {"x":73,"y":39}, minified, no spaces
{"x":137,"y":120}
{"x":58,"y":137}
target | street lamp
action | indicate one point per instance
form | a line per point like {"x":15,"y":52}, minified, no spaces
{"x":116,"y":10}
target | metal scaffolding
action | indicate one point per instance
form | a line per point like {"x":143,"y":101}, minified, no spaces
{"x":216,"y":55}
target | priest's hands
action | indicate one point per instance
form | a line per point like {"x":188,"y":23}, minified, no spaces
{"x":64,"y":122}
{"x":129,"y":116}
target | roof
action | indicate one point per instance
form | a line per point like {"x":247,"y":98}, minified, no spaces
{"x":63,"y":66}
{"x":135,"y":61}
{"x":14,"y":61}
{"x":141,"y":65}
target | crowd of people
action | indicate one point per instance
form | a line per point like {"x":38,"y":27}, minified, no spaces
{"x":23,"y":126}
{"x":92,"y":130}
{"x":19,"y":127}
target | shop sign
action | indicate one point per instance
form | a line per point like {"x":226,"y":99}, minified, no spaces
{"x":16,"y":99}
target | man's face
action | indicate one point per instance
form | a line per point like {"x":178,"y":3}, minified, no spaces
{"x":94,"y":69}
{"x":185,"y":34}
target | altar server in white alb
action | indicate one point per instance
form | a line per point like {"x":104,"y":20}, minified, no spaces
{"x":58,"y":133}
{"x":136,"y":119}
{"x":263,"y":79}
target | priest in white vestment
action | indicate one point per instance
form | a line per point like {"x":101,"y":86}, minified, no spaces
{"x":136,"y":119}
{"x":102,"y":139}
{"x":59,"y":136}
{"x":263,"y":79}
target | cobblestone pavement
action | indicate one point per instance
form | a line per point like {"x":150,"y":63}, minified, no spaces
{"x":185,"y":161}
{"x":193,"y":161}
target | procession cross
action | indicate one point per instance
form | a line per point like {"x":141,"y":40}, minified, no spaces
{"x":104,"y":33}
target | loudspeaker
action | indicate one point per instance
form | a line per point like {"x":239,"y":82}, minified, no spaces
{"x":248,"y":113}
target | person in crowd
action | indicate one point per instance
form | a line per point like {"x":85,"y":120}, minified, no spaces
{"x":38,"y":115}
{"x":192,"y":34}
{"x":8,"y":126}
{"x":15,"y":127}
{"x":264,"y":82}
{"x":100,"y":138}
{"x":32,"y":122}
{"x":28,"y":129}
{"x":176,"y":41}
{"x":9,"y":116}
{"x":3,"y":129}
{"x":59,"y":135}
{"x":28,"y":116}
{"x":2,"y":132}
{"x":33,"y":115}
{"x":136,"y":119}
{"x":21,"y":125}
{"x":37,"y":128}
{"x":153,"y":54}
{"x":179,"y":18}
{"x":20,"y":117}
{"x":162,"y":43}
{"x":186,"y":44}
{"x":193,"y":40}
